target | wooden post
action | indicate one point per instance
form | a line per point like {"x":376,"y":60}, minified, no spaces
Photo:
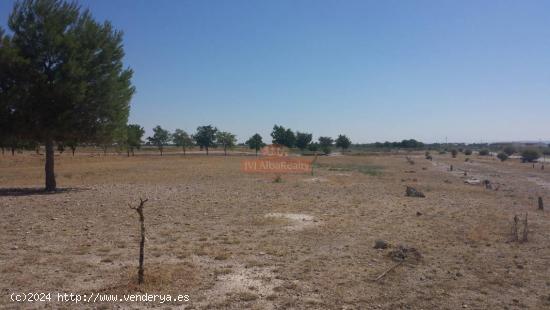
{"x":541,"y":205}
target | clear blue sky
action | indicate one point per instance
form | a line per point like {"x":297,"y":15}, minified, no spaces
{"x":374,"y":70}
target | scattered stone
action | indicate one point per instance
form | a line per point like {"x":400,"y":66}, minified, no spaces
{"x":418,"y":213}
{"x":412,"y":192}
{"x":472,"y":181}
{"x":380,"y":244}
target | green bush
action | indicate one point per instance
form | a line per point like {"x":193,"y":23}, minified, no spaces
{"x":467,"y":152}
{"x":484,"y":152}
{"x":502,"y":156}
{"x":529,"y":156}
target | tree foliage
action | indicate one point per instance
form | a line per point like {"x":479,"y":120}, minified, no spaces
{"x":226,"y":139}
{"x":405,"y":144}
{"x":343,"y":142}
{"x":182,"y":139}
{"x":133,"y":137}
{"x":160,"y":138}
{"x":283,"y":136}
{"x":303,"y":140}
{"x":206,"y":137}
{"x":255,"y":142}
{"x":325,"y":143}
{"x":530,"y":155}
{"x":502,"y":156}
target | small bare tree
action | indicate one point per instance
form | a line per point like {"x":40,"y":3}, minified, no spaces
{"x":139,"y":210}
{"x":525,"y":229}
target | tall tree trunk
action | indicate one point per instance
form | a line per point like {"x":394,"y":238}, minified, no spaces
{"x":206,"y":151}
{"x":12,"y":151}
{"x":183,"y":148}
{"x":73,"y":151}
{"x":104,"y":150}
{"x":50,"y":174}
{"x":160,"y":148}
{"x":128,"y":151}
{"x":225,"y":151}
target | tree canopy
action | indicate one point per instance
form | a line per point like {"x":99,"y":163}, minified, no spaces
{"x":226,"y":139}
{"x":160,"y":138}
{"x":206,"y":137}
{"x":182,"y":139}
{"x":303,"y":140}
{"x":255,"y":142}
{"x":133,"y":138}
{"x":343,"y":142}
{"x":283,"y":136}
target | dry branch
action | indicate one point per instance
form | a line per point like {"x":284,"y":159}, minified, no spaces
{"x":386,"y":272}
{"x":139,"y":210}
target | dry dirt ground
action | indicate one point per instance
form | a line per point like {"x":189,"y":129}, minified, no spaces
{"x":233,"y":241}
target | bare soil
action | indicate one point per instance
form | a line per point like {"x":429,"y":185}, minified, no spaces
{"x":232,"y":240}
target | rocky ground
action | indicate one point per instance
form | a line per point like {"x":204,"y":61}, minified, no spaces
{"x":234,"y":240}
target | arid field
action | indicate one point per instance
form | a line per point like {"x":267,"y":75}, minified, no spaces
{"x":232,"y":240}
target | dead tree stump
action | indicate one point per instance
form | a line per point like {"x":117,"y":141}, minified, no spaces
{"x":139,"y":210}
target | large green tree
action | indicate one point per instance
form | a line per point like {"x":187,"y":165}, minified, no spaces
{"x":160,"y":138}
{"x":303,"y":140}
{"x":182,"y":139}
{"x":255,"y":142}
{"x":226,"y":139}
{"x":206,"y":137}
{"x":66,"y":79}
{"x":343,"y":142}
{"x":133,"y":137}
{"x":283,"y":136}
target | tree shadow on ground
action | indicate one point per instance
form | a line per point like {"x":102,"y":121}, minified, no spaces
{"x":30,"y":191}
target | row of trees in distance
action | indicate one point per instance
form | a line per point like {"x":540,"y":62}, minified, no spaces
{"x":207,"y":137}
